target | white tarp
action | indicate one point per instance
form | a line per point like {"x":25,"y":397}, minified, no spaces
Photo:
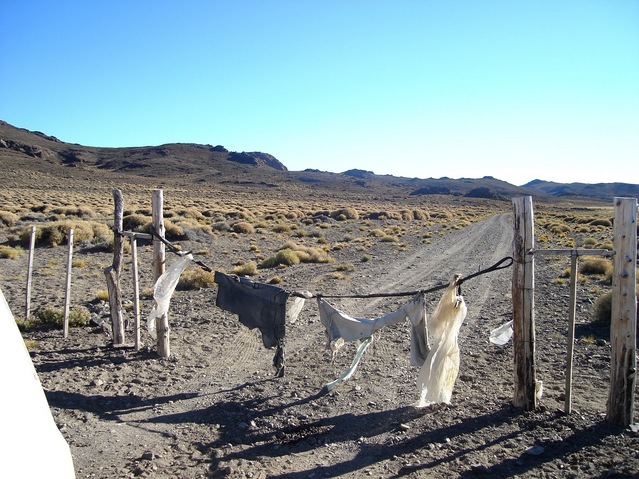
{"x":33,"y":446}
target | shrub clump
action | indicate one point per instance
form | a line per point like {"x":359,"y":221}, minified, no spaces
{"x":54,"y":317}
{"x":246,"y":269}
{"x":7,"y":218}
{"x":284,"y":257}
{"x":596,"y":266}
{"x":602,"y":310}
{"x":54,"y":234}
{"x":8,"y":252}
{"x":243,"y":227}
{"x":195,"y":278}
{"x":345,"y":214}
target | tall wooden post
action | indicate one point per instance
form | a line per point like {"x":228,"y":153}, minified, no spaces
{"x":27,"y":305}
{"x":523,"y":305}
{"x":623,"y":327}
{"x":136,"y":291}
{"x":67,"y":290}
{"x":163,"y":344}
{"x":113,"y":272}
{"x":574,"y":264}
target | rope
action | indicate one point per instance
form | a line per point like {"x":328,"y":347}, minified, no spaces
{"x":177,"y":251}
{"x":508,"y":260}
{"x":495,"y":267}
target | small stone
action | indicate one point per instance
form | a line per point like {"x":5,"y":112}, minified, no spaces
{"x":535,"y":451}
{"x":404,"y":427}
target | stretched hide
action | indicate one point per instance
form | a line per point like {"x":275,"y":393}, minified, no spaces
{"x":33,"y":445}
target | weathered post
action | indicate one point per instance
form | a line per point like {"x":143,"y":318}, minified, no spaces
{"x":67,"y":295}
{"x":27,"y":305}
{"x":574,"y":263}
{"x":136,"y":290}
{"x":523,"y":305}
{"x":163,"y":344}
{"x":113,"y":272}
{"x":623,"y":326}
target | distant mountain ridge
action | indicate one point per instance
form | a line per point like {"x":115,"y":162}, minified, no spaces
{"x":206,"y":164}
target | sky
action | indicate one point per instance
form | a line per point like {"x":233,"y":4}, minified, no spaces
{"x":518,"y":90}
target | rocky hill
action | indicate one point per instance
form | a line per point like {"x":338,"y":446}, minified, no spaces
{"x":33,"y":151}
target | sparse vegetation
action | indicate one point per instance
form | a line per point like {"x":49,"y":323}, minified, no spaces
{"x":9,"y":252}
{"x":195,"y":277}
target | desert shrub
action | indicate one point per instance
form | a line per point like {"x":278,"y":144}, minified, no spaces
{"x":595,"y":266}
{"x":601,"y":222}
{"x":275,"y":280}
{"x":344,"y":267}
{"x":559,"y":229}
{"x":195,"y":278}
{"x":284,"y":257}
{"x":192,"y":213}
{"x":9,"y":252}
{"x":589,"y":242}
{"x":243,"y":227}
{"x":7,"y":218}
{"x":345,"y":214}
{"x":55,"y":317}
{"x":173,"y":231}
{"x":102,"y":295}
{"x":79,"y":317}
{"x":79,"y":211}
{"x":602,"y":310}
{"x":220,"y":226}
{"x":246,"y":269}
{"x":281,"y":228}
{"x":407,"y":215}
{"x":135,"y":222}
{"x":420,"y":215}
{"x":78,"y":263}
{"x":378,"y":233}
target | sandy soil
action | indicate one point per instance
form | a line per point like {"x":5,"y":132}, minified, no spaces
{"x":214,"y":409}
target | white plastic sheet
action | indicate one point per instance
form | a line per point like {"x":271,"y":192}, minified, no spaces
{"x":439,"y":372}
{"x":163,"y":291}
{"x":501,"y":335}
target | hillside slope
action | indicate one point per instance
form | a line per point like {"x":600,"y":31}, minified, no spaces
{"x":26,"y":151}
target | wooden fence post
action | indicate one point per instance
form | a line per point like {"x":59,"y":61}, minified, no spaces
{"x":67,"y":295}
{"x":136,"y":291}
{"x":523,"y":288}
{"x":162,"y":323}
{"x":113,"y":272}
{"x":623,"y":326}
{"x":27,"y":305}
{"x":574,"y":265}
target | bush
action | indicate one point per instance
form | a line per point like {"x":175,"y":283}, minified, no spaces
{"x":285,"y":257}
{"x":606,"y":223}
{"x":246,"y":269}
{"x":55,"y":317}
{"x":602,"y":311}
{"x":195,"y":278}
{"x":243,"y":227}
{"x":8,"y":252}
{"x":345,"y":214}
{"x":7,"y":218}
{"x":596,"y":266}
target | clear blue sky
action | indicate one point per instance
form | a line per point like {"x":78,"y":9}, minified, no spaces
{"x":514,"y":89}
